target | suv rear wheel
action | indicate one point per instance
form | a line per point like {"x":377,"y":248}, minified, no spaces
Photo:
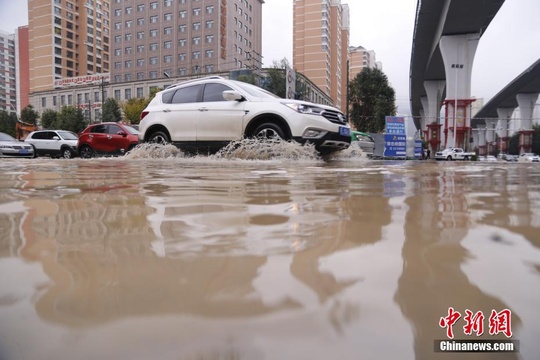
{"x":268,"y":131}
{"x":159,"y":137}
{"x":86,"y":152}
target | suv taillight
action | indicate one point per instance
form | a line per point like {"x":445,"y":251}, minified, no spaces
{"x":143,"y":114}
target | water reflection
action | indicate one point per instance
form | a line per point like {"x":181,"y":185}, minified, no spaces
{"x":206,"y":258}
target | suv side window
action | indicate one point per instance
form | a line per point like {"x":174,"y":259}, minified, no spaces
{"x":113,"y":129}
{"x":38,"y":136}
{"x":50,"y":135}
{"x":214,"y":92}
{"x":98,"y":129}
{"x":186,"y":95}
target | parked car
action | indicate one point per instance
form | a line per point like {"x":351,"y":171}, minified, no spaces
{"x":108,"y":138}
{"x":54,"y":143}
{"x":528,"y":157}
{"x":507,"y":157}
{"x":208,"y":113}
{"x":453,"y":154}
{"x":13,"y":148}
{"x":364,"y":141}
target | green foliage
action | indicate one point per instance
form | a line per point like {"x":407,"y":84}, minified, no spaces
{"x":250,"y":79}
{"x":153,"y":92}
{"x":70,"y":118}
{"x":111,"y":111}
{"x":8,"y":122}
{"x":48,"y":119}
{"x":29,"y":115}
{"x":371,"y":100}
{"x":133,"y":108}
{"x":276,"y":82}
{"x":513,"y":144}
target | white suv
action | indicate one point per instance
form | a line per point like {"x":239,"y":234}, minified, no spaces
{"x":55,"y":143}
{"x":207,"y":113}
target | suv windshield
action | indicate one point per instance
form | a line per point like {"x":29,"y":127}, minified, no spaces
{"x":66,"y":135}
{"x":255,"y":91}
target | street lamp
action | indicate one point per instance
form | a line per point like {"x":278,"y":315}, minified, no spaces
{"x":456,"y":67}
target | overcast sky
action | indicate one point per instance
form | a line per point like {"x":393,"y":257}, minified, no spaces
{"x":510,"y":45}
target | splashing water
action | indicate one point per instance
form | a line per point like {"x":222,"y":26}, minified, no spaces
{"x":268,"y":149}
{"x":154,"y":151}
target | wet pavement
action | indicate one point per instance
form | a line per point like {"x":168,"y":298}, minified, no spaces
{"x":247,"y":256}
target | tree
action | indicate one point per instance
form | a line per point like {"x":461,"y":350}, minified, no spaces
{"x":536,"y":139}
{"x":29,"y":115}
{"x":133,"y":109}
{"x":276,"y":82}
{"x":7,"y":122}
{"x":371,"y":99}
{"x":70,"y":118}
{"x":48,"y":119}
{"x":111,"y":111}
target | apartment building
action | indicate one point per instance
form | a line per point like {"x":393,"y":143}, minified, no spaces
{"x":320,"y":31}
{"x":359,"y":59}
{"x":175,"y":38}
{"x":7,"y":72}
{"x":67,"y":38}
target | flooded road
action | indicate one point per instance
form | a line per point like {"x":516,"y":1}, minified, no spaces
{"x":161,"y":256}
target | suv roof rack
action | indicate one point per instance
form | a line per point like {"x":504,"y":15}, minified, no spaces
{"x":193,"y":80}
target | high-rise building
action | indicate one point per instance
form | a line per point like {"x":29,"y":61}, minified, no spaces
{"x":169,"y":38}
{"x":22,"y":67}
{"x":67,"y":39}
{"x":7,"y":72}
{"x":359,"y":59}
{"x":320,"y":30}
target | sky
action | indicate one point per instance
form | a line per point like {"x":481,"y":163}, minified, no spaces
{"x":509,"y":46}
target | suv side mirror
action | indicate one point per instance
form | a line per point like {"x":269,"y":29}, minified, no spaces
{"x":56,"y":138}
{"x":121,"y":133}
{"x":231,"y":95}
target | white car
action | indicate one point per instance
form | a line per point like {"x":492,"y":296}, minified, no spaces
{"x":13,"y":148}
{"x":54,"y":143}
{"x":528,"y":157}
{"x":208,"y":113}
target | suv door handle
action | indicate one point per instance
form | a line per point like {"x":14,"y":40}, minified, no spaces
{"x":166,"y":110}
{"x":203,"y":109}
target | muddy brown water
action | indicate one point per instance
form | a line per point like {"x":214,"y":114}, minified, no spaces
{"x":258,"y":255}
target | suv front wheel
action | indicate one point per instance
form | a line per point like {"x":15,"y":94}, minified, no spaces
{"x":67,"y":153}
{"x":268,"y":131}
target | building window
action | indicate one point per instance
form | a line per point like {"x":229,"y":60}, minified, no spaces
{"x":117,"y":94}
{"x":140,"y":35}
{"x":153,"y":19}
{"x":167,"y":45}
{"x":167,"y":17}
{"x":140,"y":76}
{"x":140,"y":92}
{"x":182,"y":42}
{"x":117,"y":65}
{"x":128,"y":50}
{"x":182,"y":28}
{"x":196,"y":55}
{"x":127,"y":77}
{"x":167,"y":59}
{"x":43,"y":102}
{"x":182,"y":71}
{"x":154,"y":5}
{"x":153,"y":33}
{"x":140,"y":48}
{"x":167,"y":31}
{"x":210,"y":9}
{"x":167,"y":3}
{"x":182,"y":57}
{"x":128,"y":37}
{"x":140,"y":62}
{"x":140,"y":7}
{"x":209,"y":39}
{"x":152,"y":74}
{"x":197,"y":11}
{"x":127,"y":64}
{"x":182,"y":14}
{"x":210,"y":24}
{"x":196,"y":40}
{"x":117,"y":52}
{"x":127,"y":94}
{"x":153,"y":60}
{"x":128,"y":10}
{"x":140,"y":21}
{"x":209,"y":53}
{"x":153,"y":47}
{"x":196,"y":26}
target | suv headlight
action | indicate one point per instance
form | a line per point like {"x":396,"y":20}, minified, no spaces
{"x":305,"y":109}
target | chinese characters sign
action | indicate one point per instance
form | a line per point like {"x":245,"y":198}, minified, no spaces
{"x":498,"y":322}
{"x":395,"y":139}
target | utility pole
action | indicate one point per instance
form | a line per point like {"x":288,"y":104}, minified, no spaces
{"x":89,"y":112}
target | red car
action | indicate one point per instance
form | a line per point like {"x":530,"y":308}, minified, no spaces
{"x":108,"y":138}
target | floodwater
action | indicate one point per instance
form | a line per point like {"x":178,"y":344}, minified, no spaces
{"x":263,"y":254}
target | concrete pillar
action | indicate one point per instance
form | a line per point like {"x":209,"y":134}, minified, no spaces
{"x":482,"y":148}
{"x":458,"y":53}
{"x":491,"y":127}
{"x":432,"y":105}
{"x":526,"y":104}
{"x":505,"y":116}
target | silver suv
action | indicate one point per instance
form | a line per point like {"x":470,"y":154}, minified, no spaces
{"x":208,"y":113}
{"x":54,"y":143}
